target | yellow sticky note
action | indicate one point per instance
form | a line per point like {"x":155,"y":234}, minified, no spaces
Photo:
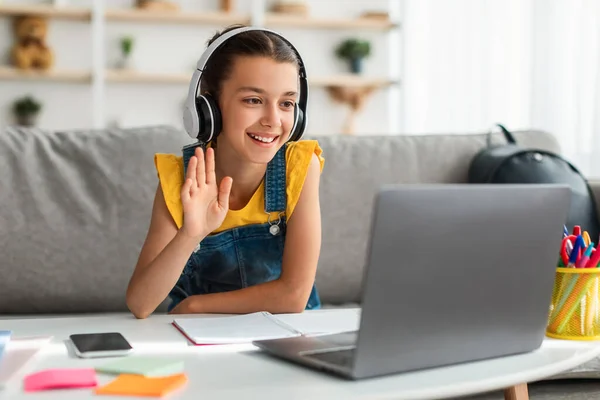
{"x":138,"y":385}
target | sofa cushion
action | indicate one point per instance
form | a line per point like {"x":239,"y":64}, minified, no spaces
{"x":74,"y":211}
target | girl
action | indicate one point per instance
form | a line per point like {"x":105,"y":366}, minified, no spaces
{"x":238,"y":228}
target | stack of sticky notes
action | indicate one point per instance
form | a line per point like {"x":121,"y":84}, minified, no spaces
{"x":138,"y":385}
{"x":65,"y":378}
{"x":143,"y":376}
{"x":137,"y":376}
{"x":145,"y":366}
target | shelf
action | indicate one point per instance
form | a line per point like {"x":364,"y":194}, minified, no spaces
{"x":208,"y":17}
{"x":14,"y":74}
{"x":354,"y":81}
{"x":14,"y":10}
{"x":130,"y":76}
{"x":289,"y":21}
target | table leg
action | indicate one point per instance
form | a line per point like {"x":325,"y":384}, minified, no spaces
{"x":517,"y":392}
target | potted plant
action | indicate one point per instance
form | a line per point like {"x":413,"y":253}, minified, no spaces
{"x":354,"y":51}
{"x":126,"y":43}
{"x":26,"y":110}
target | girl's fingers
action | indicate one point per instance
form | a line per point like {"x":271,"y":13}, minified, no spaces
{"x":185,"y":190}
{"x":224,"y":191}
{"x":200,"y":174}
{"x":210,"y":167}
{"x":191,"y":169}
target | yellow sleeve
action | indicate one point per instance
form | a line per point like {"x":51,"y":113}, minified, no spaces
{"x":298,"y":156}
{"x":169,"y":168}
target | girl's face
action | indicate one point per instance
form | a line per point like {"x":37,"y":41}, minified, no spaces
{"x":257,"y":106}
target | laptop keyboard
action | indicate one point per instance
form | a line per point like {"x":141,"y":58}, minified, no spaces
{"x":342,"y":358}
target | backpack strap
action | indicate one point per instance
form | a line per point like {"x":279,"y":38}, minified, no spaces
{"x":507,"y":135}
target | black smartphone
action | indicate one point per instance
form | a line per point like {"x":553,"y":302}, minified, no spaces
{"x":104,"y":344}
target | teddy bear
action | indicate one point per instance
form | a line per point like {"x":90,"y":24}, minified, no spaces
{"x":30,"y":50}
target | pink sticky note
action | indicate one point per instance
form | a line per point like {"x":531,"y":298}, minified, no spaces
{"x":61,"y":379}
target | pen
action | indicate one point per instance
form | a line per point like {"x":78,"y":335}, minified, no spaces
{"x":586,"y":238}
{"x":577,"y":230}
{"x":582,"y":263}
{"x":565,"y":231}
{"x":575,"y":253}
{"x":593,"y":261}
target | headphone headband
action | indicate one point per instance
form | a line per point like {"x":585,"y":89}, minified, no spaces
{"x":191,"y":118}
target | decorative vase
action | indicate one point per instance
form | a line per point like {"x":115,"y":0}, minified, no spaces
{"x":124,"y":62}
{"x":356,"y":65}
{"x":27,"y":119}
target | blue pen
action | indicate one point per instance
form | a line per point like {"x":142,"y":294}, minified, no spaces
{"x":575,"y":253}
{"x":565,"y":231}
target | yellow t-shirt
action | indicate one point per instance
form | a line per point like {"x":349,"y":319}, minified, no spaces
{"x":298,"y":155}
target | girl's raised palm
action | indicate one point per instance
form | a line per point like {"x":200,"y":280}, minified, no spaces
{"x":205,"y":204}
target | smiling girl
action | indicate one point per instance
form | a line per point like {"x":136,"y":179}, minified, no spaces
{"x":238,"y":228}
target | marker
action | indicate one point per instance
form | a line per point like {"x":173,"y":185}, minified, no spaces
{"x":569,"y":247}
{"x":577,"y":230}
{"x":586,"y":238}
{"x":594,"y":259}
{"x":575,"y":253}
{"x":582,"y":263}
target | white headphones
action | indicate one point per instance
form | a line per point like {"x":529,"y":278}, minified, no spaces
{"x":201,"y":115}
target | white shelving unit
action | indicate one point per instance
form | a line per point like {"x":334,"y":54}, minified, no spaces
{"x":100,"y":15}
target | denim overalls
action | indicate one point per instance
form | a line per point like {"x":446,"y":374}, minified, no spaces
{"x":243,"y":256}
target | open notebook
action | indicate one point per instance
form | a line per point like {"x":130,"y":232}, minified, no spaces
{"x":263,"y":326}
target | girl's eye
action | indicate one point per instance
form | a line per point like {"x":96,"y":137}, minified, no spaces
{"x":288,"y":104}
{"x":252,"y":101}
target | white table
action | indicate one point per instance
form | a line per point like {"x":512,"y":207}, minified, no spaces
{"x":241,"y":371}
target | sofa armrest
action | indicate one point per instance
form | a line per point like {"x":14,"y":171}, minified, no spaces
{"x":595,"y":186}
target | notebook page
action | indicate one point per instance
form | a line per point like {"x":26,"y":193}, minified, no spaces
{"x":322,"y":323}
{"x":234,"y":329}
{"x":18,"y":352}
{"x":4,"y":339}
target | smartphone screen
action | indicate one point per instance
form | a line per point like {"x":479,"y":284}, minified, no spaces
{"x":100,"y":344}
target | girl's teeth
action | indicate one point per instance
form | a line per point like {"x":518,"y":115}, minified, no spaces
{"x":264,"y":140}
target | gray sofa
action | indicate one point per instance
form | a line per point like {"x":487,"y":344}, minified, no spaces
{"x":75,"y":207}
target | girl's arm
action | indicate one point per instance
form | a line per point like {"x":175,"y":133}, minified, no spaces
{"x":167,"y":249}
{"x":291,"y":291}
{"x":162,"y":259}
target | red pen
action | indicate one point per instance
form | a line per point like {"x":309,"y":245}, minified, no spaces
{"x":577,"y":230}
{"x":594,"y":259}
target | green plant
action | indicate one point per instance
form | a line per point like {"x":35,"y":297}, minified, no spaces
{"x":126,"y":45}
{"x":352,"y":49}
{"x":26,"y":105}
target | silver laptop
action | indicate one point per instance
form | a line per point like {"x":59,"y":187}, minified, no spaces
{"x":454,"y":273}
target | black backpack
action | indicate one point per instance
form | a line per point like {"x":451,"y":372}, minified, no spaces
{"x":510,"y":163}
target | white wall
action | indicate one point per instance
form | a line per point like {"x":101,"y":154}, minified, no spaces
{"x":529,"y":64}
{"x":176,"y":48}
{"x":467,"y":65}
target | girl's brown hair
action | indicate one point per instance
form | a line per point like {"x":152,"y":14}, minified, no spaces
{"x":252,"y":43}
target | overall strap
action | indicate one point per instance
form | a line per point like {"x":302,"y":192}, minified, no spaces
{"x":275,"y":183}
{"x":188,"y":151}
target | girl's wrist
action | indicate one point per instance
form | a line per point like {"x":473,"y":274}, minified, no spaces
{"x":189,"y":240}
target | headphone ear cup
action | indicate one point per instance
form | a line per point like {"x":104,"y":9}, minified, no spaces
{"x":296,"y":134}
{"x":209,"y":117}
